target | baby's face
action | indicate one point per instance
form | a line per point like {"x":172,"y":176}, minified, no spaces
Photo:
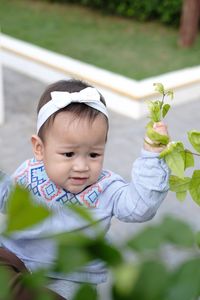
{"x":73,"y":151}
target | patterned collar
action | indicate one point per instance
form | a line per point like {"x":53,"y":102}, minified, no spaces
{"x":32,"y":175}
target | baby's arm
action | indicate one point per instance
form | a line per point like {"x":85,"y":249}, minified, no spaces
{"x":139,"y":200}
{"x":149,"y":145}
{"x":5,"y":185}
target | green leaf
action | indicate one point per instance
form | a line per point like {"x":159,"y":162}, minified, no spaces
{"x":71,"y":258}
{"x":155,"y":110}
{"x":103,"y":250}
{"x":185,"y":282}
{"x":181,"y":195}
{"x":198,"y":239}
{"x":194,"y":187}
{"x":177,"y":232}
{"x":22,"y":212}
{"x":83,"y":212}
{"x":165,"y":109}
{"x":159,"y":88}
{"x":180,"y":186}
{"x":35,"y":280}
{"x":150,"y":238}
{"x":194,"y":138}
{"x":72,"y":244}
{"x":4,"y":283}
{"x":156,"y":137}
{"x":152,"y":281}
{"x":125,"y":276}
{"x":68,"y":239}
{"x":189,"y":159}
{"x":171,"y":230}
{"x":86,"y":292}
{"x":84,"y":249}
{"x":172,"y":146}
{"x":170,"y":93}
{"x":44,"y":296}
{"x":176,"y":163}
{"x":174,"y":158}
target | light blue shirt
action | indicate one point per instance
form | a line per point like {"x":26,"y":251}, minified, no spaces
{"x":134,"y":201}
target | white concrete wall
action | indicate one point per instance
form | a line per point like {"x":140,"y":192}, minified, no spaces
{"x":123,"y":95}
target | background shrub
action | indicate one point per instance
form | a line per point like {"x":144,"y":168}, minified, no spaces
{"x":165,"y":11}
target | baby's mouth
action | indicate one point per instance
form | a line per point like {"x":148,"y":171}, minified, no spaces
{"x":78,"y":180}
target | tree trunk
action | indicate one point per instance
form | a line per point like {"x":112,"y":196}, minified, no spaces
{"x":189,"y":22}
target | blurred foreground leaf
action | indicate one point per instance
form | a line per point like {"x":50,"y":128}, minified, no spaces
{"x":77,"y":249}
{"x":22,"y":212}
{"x":150,"y":284}
{"x":125,"y":277}
{"x":185,"y":282}
{"x":4,"y":283}
{"x":177,"y":232}
{"x":170,"y":230}
{"x":86,"y":292}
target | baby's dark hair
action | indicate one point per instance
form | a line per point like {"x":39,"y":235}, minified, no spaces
{"x":79,"y":110}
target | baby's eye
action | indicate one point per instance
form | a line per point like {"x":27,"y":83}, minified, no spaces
{"x":69,"y":154}
{"x":94,"y":155}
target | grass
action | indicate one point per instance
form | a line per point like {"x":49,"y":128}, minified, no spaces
{"x":133,"y":49}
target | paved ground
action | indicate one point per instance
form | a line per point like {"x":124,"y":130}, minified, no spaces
{"x":125,"y":140}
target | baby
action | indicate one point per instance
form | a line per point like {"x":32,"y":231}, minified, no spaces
{"x":67,"y":168}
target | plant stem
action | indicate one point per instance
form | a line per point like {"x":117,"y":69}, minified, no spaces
{"x":162,"y":101}
{"x":188,"y":151}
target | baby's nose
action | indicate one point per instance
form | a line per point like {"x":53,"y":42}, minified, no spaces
{"x":81,"y":164}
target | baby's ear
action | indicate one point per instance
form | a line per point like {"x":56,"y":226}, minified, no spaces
{"x":37,"y":146}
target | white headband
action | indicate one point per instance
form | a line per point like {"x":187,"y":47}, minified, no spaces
{"x":89,"y":96}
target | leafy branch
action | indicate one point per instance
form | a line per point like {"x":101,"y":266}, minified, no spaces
{"x":131,"y":266}
{"x":177,"y":157}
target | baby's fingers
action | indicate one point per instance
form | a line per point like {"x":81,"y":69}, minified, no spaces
{"x":161,"y":128}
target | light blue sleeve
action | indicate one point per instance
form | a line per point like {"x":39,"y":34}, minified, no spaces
{"x":139,"y":200}
{"x":5,"y":185}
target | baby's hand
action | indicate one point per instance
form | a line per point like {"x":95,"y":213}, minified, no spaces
{"x":150,"y":145}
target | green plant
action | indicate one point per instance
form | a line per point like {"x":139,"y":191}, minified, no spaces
{"x":167,"y":12}
{"x":176,"y":155}
{"x":144,"y":265}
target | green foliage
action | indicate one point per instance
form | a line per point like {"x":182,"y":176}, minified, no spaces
{"x":130,"y":276}
{"x":179,"y":186}
{"x":174,"y":157}
{"x":86,"y":292}
{"x":185,"y":282}
{"x":4,"y":286}
{"x":83,"y":249}
{"x":125,"y":276}
{"x":22,"y":212}
{"x":194,"y":187}
{"x":170,"y":230}
{"x":152,"y":281}
{"x":167,"y":12}
{"x":159,"y":139}
{"x":194,"y":138}
{"x":175,"y":154}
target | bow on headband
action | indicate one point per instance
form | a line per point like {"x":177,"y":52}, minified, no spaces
{"x":89,"y":96}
